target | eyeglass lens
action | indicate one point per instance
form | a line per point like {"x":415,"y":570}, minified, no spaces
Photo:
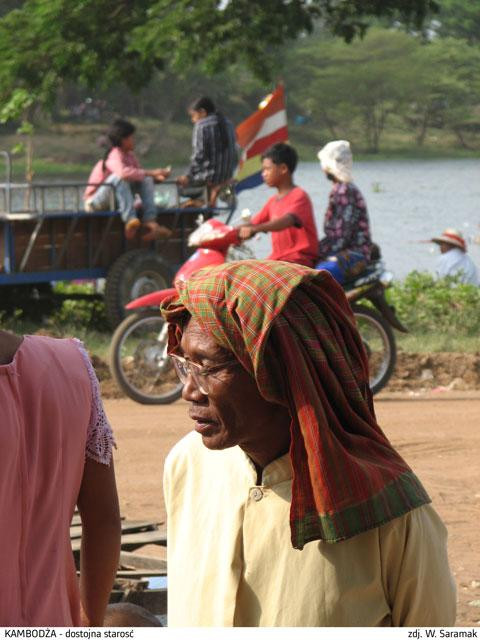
{"x":183,"y":369}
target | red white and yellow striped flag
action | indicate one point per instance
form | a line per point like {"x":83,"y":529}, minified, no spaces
{"x":258,"y":132}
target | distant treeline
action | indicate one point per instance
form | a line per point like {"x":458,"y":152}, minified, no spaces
{"x":388,"y":81}
{"x":392,"y":87}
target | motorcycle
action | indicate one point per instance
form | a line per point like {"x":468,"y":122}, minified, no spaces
{"x":139,"y":361}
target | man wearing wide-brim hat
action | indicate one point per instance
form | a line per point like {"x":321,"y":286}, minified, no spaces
{"x":454,"y":260}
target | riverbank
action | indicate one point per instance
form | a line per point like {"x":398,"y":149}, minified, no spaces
{"x":415,"y":373}
{"x":68,"y":150}
{"x":441,"y":316}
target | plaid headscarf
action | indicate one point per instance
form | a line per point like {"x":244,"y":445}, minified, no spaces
{"x":292,"y":328}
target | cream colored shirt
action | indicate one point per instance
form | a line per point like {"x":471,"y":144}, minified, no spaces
{"x":231,"y":562}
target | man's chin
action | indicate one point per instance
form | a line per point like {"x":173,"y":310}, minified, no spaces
{"x":214,"y":443}
{"x":213,"y":435}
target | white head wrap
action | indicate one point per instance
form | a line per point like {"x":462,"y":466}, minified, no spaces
{"x":336,"y":158}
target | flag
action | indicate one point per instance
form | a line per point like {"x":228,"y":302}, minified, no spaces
{"x":256,"y":134}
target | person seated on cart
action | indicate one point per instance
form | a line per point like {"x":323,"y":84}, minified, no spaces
{"x":289,"y":214}
{"x":120,"y":170}
{"x":214,"y":151}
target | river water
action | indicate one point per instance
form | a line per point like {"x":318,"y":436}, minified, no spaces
{"x":408,"y":202}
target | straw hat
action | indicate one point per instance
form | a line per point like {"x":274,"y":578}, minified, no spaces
{"x":453,"y":237}
{"x":336,"y":158}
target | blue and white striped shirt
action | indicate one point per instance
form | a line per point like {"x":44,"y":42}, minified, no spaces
{"x":212,"y":160}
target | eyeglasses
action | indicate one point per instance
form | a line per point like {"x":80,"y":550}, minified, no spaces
{"x":201,"y":375}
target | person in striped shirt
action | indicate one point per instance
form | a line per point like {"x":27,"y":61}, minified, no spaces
{"x":214,"y":152}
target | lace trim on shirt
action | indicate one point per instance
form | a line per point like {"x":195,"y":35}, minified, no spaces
{"x":100,"y":438}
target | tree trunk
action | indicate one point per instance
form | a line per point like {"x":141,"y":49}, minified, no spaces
{"x":458,"y":132}
{"x":330,"y":124}
{"x":420,"y":138}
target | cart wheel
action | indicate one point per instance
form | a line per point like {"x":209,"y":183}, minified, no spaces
{"x":132,"y":275}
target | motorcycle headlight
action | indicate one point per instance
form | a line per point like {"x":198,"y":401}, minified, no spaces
{"x":386,"y":279}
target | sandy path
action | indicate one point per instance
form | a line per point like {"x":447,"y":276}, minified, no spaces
{"x":439,"y":436}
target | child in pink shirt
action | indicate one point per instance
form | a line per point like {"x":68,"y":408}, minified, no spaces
{"x":119,"y":175}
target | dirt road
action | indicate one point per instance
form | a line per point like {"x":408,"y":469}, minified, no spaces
{"x":438,"y":435}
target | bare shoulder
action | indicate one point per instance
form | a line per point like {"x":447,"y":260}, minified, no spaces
{"x":9,"y":343}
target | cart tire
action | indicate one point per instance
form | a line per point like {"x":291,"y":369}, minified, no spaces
{"x":132,"y":275}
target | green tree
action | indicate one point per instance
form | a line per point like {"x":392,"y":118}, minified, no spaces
{"x":459,"y":19}
{"x":97,"y":42}
{"x":8,"y":5}
{"x":447,"y":89}
{"x":365,"y":82}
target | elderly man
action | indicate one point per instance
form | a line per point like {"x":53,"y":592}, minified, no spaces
{"x":287,"y":505}
{"x":453,"y":260}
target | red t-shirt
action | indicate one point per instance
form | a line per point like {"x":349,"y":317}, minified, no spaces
{"x":294,"y":244}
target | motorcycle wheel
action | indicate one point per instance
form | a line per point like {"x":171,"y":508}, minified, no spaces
{"x":379,"y":343}
{"x":139,"y":362}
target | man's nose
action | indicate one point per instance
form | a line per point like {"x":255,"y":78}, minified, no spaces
{"x":191,"y":391}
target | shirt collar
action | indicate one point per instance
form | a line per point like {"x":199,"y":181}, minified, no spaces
{"x":279,"y":470}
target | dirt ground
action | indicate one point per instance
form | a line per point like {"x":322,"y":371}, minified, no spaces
{"x":437,"y":432}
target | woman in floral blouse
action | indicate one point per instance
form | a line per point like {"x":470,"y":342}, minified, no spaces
{"x":346,"y":223}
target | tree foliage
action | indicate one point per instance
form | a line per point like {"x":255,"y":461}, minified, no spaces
{"x":388,"y":75}
{"x":447,"y":88}
{"x":364,"y":82}
{"x":98,"y":42}
{"x":174,"y":50}
{"x":443,"y":306}
{"x":459,"y":19}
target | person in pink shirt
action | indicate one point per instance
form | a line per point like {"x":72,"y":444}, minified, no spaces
{"x":120,"y":172}
{"x":289,"y":214}
{"x":55,"y":453}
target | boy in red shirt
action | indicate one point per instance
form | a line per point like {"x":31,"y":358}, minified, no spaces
{"x":289,"y":214}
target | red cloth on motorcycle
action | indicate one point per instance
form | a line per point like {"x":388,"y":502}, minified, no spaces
{"x":292,"y":328}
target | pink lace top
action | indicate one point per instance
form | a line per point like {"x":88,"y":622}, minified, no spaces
{"x":51,"y":418}
{"x":99,"y":433}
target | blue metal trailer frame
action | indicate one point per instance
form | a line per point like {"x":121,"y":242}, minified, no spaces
{"x":15,"y":269}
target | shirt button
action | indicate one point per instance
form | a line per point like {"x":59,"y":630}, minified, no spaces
{"x":256,"y":494}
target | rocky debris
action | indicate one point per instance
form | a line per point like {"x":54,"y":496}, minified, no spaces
{"x":101,"y":368}
{"x":437,"y":371}
{"x":414,"y":372}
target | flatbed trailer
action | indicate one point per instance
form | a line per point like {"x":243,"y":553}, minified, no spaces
{"x":46,"y":236}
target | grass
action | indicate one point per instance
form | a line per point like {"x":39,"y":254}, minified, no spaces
{"x":442,"y":316}
{"x":97,"y":342}
{"x":436,"y":342}
{"x":395,"y":143}
{"x":69,"y":150}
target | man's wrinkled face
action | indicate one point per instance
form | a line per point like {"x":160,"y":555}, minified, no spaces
{"x":233,"y":413}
